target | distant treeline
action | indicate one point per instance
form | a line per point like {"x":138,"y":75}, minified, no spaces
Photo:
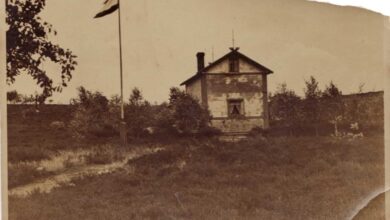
{"x":92,"y":114}
{"x":317,"y":113}
{"x":325,"y":112}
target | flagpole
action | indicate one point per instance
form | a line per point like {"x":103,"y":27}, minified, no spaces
{"x":123,"y":133}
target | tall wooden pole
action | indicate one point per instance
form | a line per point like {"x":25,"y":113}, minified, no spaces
{"x":123,"y":132}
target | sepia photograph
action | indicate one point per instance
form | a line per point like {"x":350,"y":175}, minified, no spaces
{"x":196,"y":109}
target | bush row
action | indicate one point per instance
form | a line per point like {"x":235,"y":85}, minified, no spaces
{"x":96,"y":116}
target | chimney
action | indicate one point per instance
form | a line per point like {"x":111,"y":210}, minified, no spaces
{"x":200,"y":57}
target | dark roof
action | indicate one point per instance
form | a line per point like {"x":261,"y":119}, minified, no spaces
{"x":233,"y":52}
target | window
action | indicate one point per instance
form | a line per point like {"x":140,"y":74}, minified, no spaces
{"x":233,"y":64}
{"x":235,"y":107}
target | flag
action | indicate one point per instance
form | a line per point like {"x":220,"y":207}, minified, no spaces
{"x":109,"y":7}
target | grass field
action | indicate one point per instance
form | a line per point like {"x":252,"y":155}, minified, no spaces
{"x":278,"y":178}
{"x":274,"y":178}
{"x":37,"y":150}
{"x":31,"y":138}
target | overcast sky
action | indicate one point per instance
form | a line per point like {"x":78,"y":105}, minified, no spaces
{"x":294,"y":38}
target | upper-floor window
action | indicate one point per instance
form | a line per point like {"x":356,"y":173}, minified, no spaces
{"x":233,"y":64}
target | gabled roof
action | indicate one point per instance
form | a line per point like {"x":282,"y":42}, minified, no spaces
{"x":233,"y":52}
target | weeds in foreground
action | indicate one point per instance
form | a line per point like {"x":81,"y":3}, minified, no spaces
{"x":278,"y":178}
{"x":105,"y":154}
{"x":23,"y":173}
{"x":27,"y":172}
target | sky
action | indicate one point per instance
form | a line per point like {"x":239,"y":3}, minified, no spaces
{"x":294,"y":38}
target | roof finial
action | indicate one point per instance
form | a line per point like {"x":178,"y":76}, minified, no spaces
{"x":234,"y":48}
{"x":233,"y":38}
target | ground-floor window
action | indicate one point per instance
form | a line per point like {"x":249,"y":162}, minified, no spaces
{"x":235,"y":107}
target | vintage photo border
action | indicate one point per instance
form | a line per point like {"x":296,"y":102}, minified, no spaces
{"x":3,"y":112}
{"x":3,"y":115}
{"x":386,"y":70}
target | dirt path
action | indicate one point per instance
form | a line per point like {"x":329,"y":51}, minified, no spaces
{"x":46,"y":185}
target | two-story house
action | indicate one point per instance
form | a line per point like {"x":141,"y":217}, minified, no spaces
{"x":234,"y":89}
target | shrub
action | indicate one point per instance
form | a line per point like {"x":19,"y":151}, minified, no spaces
{"x":163,"y":120}
{"x":311,"y":104}
{"x":209,"y":131}
{"x":13,"y":97}
{"x":183,"y":115}
{"x":286,"y":108}
{"x":92,"y":115}
{"x":331,"y":107}
{"x":188,"y":115}
{"x":138,"y":114}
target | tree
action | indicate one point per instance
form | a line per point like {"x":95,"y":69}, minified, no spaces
{"x":29,"y":99}
{"x":286,"y":107}
{"x":92,"y":100}
{"x":35,"y":99}
{"x":138,"y":113}
{"x":331,"y":91}
{"x":188,"y":115}
{"x":136,"y":97}
{"x":332,"y":106}
{"x":14,"y":97}
{"x":92,"y":116}
{"x":163,"y":119}
{"x":28,"y":47}
{"x":311,"y":103}
{"x":115,"y":111}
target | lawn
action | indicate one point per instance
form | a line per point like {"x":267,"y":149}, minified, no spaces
{"x":274,"y":178}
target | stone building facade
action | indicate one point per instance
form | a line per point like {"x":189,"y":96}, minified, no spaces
{"x":234,"y":89}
